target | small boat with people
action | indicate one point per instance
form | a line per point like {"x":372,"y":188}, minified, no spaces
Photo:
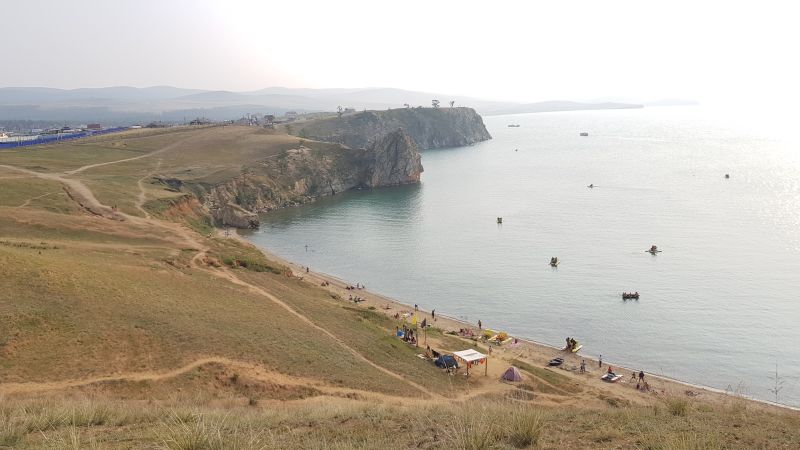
{"x":653,"y":250}
{"x":583,"y":133}
{"x":572,"y":346}
{"x":499,"y":220}
{"x":554,"y":262}
{"x":630,"y":295}
{"x":513,"y":125}
{"x":610,"y":376}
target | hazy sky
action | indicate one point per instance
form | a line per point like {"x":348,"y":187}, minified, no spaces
{"x":528,"y":50}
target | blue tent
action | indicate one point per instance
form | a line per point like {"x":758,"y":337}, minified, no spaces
{"x":446,"y":362}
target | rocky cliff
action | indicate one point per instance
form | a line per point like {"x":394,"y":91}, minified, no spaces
{"x":427,"y":127}
{"x":306,"y":172}
{"x":358,"y":150}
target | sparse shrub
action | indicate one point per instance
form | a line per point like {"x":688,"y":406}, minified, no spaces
{"x":690,"y":441}
{"x":473,"y":429}
{"x":677,"y":406}
{"x":524,"y":426}
{"x":11,"y":432}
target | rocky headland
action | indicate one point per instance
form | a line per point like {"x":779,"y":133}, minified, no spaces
{"x":428,"y":127}
{"x":362,"y":150}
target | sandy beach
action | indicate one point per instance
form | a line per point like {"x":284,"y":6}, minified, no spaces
{"x":530,"y":352}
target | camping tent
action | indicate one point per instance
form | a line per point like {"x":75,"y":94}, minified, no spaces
{"x":446,"y":362}
{"x":472,"y":357}
{"x":512,"y":374}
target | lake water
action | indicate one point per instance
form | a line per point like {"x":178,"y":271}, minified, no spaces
{"x":719,"y":306}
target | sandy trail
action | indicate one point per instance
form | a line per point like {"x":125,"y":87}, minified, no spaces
{"x":84,"y":196}
{"x":141,"y":198}
{"x":28,"y":201}
{"x":250,"y":369}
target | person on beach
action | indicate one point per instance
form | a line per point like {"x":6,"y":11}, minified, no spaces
{"x":633,"y":378}
{"x":490,"y":349}
{"x":433,"y":314}
{"x":583,"y":366}
{"x":479,"y":324}
{"x":600,"y":360}
{"x":416,"y":307}
{"x":611,"y":370}
{"x":306,"y":269}
{"x":641,"y":375}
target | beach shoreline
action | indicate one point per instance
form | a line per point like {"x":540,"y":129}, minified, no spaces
{"x":528,"y":350}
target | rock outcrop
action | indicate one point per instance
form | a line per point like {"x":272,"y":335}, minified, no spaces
{"x":428,"y":127}
{"x":361,"y":150}
{"x":302,"y":174}
{"x":394,"y":159}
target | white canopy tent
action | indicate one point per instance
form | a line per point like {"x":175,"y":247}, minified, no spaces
{"x":471,"y":356}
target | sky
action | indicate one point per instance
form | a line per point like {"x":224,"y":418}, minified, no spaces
{"x":711,"y":51}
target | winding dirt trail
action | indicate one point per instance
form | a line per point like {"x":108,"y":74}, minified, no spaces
{"x":80,"y":193}
{"x":251,"y":370}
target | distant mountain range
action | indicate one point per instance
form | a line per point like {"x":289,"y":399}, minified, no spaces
{"x":125,"y":105}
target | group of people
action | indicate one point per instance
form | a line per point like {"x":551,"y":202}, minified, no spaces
{"x":356,"y":299}
{"x":571,"y":344}
{"x":641,"y":384}
{"x":356,"y":287}
{"x":407,"y":335}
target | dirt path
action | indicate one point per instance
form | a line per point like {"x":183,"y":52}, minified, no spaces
{"x":142,"y":197}
{"x":250,"y":369}
{"x":28,"y":201}
{"x":84,"y":197}
{"x":255,"y":289}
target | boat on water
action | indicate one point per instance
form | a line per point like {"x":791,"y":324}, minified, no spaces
{"x":513,"y":125}
{"x":583,"y":133}
{"x":630,"y":296}
{"x":653,"y":250}
{"x":554,"y":262}
{"x":573,"y":346}
{"x":499,"y":220}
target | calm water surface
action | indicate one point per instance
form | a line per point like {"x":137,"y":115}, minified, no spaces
{"x":719,"y":306}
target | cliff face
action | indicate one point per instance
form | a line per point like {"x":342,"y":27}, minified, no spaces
{"x":360,"y":150}
{"x":427,"y":127}
{"x":302,"y":174}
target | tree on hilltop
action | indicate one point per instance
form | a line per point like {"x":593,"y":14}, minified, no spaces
{"x":435,"y":103}
{"x":452,"y":102}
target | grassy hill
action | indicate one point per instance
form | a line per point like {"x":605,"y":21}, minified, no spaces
{"x":127,"y":324}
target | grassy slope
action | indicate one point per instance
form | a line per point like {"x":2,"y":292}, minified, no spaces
{"x":84,"y":297}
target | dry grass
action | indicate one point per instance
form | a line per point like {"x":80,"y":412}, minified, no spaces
{"x":182,"y":423}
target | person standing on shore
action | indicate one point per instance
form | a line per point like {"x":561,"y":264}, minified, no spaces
{"x":600,"y":360}
{"x":583,"y":366}
{"x":641,"y":375}
{"x":433,"y":314}
{"x":416,"y":307}
{"x":480,"y":325}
